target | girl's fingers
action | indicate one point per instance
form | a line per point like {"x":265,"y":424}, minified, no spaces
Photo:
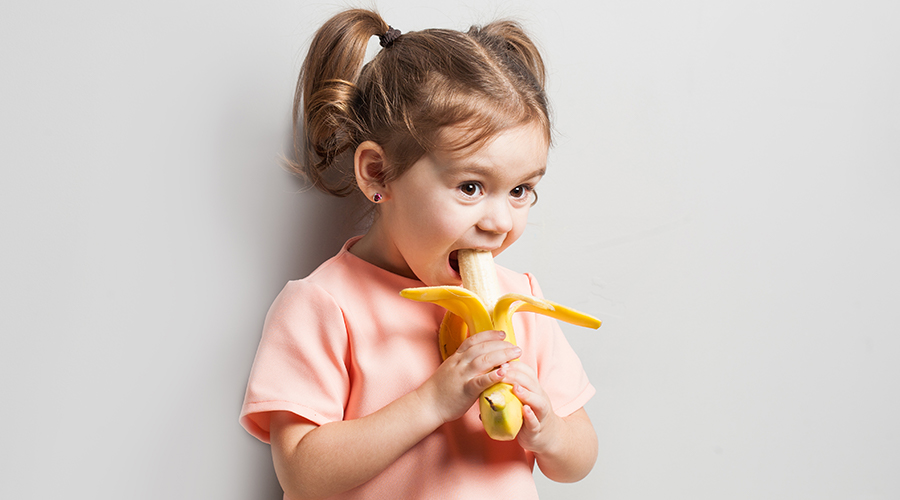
{"x":531,"y":420}
{"x":528,"y":390}
{"x":520,"y":374}
{"x":487,"y":350}
{"x":482,"y":382}
{"x":503,"y":354}
{"x":480,"y":338}
{"x":537,"y":405}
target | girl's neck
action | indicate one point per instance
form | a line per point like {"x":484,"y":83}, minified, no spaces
{"x":375,"y":248}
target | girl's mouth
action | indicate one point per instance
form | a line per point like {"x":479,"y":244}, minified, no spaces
{"x":454,"y":261}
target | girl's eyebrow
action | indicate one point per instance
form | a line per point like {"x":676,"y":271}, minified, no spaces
{"x":537,"y":173}
{"x":471,"y":168}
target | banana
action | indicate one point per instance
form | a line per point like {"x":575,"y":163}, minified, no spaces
{"x":477,"y":306}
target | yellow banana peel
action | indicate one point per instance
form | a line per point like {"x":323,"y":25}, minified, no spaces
{"x":475,"y":307}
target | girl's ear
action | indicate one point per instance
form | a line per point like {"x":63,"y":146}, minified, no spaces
{"x":369,"y":163}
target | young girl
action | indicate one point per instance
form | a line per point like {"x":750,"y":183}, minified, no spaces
{"x":446,"y":134}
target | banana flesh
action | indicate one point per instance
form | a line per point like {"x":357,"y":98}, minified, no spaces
{"x":476,"y":268}
{"x":478,"y":306}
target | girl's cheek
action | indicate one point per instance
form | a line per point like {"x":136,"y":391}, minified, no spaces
{"x":517,"y":231}
{"x":448,"y":219}
{"x":520,"y":224}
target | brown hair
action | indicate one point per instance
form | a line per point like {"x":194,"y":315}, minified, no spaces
{"x":485,"y":80}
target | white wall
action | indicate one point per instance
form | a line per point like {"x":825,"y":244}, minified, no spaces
{"x":722,"y":193}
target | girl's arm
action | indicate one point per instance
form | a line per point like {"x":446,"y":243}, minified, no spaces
{"x":574,"y":455}
{"x":565,"y":448}
{"x":316,"y":461}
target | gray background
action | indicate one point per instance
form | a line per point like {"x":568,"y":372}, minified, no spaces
{"x":722,"y":193}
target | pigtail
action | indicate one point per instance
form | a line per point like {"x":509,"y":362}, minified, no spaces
{"x":517,"y":46}
{"x":518,"y":54}
{"x":483,"y":81}
{"x":324,"y":99}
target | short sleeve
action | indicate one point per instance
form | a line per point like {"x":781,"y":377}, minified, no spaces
{"x":558,"y":367}
{"x":301,"y":362}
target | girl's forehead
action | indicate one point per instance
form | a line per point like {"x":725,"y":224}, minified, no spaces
{"x":518,"y":151}
{"x":462,"y":142}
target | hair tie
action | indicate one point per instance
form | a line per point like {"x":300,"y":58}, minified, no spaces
{"x":388,"y":38}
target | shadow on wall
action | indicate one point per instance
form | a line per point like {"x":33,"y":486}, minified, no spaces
{"x":267,"y":485}
{"x":324,"y":223}
{"x":284,"y":229}
{"x":323,"y":226}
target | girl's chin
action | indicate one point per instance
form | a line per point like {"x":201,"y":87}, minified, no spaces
{"x":443,"y":275}
{"x":450,"y":278}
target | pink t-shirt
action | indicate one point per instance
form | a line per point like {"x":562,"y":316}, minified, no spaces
{"x":341,"y":344}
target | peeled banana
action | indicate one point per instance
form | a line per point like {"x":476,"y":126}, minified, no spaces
{"x":478,"y":306}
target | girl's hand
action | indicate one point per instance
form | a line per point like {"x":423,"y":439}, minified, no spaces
{"x":565,"y":447}
{"x":476,"y":365}
{"x":541,"y":426}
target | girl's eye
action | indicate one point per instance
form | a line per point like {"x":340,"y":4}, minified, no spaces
{"x":470,"y":189}
{"x":520,"y":192}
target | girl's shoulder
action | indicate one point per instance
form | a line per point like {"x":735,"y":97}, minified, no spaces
{"x":348,"y":281}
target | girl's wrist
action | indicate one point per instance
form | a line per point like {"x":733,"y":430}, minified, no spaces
{"x":571,"y":449}
{"x":427,"y":402}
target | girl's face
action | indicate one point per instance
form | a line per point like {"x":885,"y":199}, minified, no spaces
{"x":447,"y":201}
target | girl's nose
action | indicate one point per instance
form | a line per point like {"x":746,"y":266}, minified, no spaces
{"x":498,"y":218}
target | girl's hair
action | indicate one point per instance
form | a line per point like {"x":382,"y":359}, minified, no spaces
{"x":484,"y":81}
